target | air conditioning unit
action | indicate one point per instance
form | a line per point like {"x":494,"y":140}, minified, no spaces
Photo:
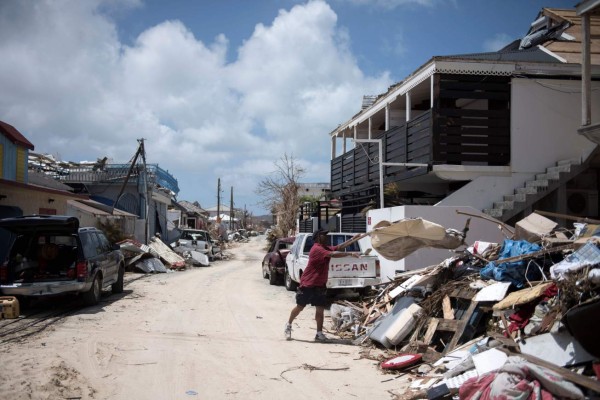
{"x":582,"y":202}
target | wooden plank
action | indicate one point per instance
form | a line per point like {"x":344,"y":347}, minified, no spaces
{"x":460,"y":112}
{"x":465,"y":148}
{"x":461,"y":94}
{"x":472,"y":78}
{"x":431,"y":328}
{"x":456,"y":130}
{"x":447,"y":308}
{"x":466,"y":121}
{"x":481,"y":85}
{"x":447,"y":325}
{"x":461,"y":327}
{"x":491,"y":140}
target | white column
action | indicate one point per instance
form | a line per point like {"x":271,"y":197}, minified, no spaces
{"x":370,"y":124}
{"x":431,"y":81}
{"x":408,"y":107}
{"x":586,"y":87}
{"x":333,"y":146}
{"x":387,"y":117}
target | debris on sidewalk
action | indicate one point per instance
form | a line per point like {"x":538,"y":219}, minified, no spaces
{"x":149,"y":259}
{"x":524,"y":310}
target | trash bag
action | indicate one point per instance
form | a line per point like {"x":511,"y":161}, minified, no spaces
{"x":515,"y":272}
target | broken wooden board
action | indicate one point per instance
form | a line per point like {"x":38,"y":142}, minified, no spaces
{"x":455,"y":326}
{"x":522,"y":296}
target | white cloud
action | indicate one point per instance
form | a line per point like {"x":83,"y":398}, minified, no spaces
{"x":497,"y":42}
{"x":74,"y":89}
{"x":391,"y":4}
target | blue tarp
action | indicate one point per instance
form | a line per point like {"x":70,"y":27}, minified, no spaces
{"x":513,"y":272}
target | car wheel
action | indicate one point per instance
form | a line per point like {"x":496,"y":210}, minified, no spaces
{"x":265,"y":274}
{"x":92,"y":296}
{"x":272,"y":275}
{"x":117,"y":287}
{"x":289,"y":283}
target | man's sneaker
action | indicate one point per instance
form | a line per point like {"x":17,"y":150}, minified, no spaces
{"x":288,"y":332}
{"x":320,"y":337}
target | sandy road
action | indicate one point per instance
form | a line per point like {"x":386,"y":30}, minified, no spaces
{"x":210,"y":333}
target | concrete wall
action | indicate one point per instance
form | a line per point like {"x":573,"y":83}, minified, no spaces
{"x":33,"y":201}
{"x":479,"y":229}
{"x":126,"y":224}
{"x":545,"y":117}
{"x":483,"y":191}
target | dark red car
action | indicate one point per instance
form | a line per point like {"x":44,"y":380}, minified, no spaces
{"x":273,"y":264}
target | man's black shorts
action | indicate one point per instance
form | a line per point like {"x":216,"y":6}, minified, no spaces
{"x":314,"y":296}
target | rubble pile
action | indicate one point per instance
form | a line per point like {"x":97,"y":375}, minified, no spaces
{"x":155,"y":257}
{"x":508,"y":319}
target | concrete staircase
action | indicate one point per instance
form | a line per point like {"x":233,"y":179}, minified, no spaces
{"x":534,"y":190}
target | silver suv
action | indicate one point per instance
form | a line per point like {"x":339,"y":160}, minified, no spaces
{"x":49,"y":255}
{"x":199,"y":240}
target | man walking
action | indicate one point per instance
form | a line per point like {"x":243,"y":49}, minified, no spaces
{"x":314,"y":280}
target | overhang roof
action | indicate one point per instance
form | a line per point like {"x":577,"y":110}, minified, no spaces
{"x":549,"y":57}
{"x":97,"y":209}
{"x":36,"y":188}
{"x":14,"y":135}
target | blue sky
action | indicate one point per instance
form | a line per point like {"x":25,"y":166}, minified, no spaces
{"x":222,"y":89}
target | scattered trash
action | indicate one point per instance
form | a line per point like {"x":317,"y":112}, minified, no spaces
{"x":492,"y":314}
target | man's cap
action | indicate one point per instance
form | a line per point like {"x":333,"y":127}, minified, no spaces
{"x":318,"y":233}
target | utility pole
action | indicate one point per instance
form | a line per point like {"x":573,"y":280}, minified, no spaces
{"x":231,"y":214}
{"x":146,"y":188}
{"x":143,"y":176}
{"x":219,"y":198}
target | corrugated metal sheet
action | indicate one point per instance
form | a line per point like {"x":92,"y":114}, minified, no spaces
{"x":166,"y":254}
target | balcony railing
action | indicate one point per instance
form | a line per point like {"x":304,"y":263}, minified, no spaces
{"x":118,"y":172}
{"x":359,"y":168}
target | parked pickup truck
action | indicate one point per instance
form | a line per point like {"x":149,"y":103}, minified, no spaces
{"x":344,"y":273}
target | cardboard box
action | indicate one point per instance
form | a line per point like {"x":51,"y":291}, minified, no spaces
{"x":9,"y":307}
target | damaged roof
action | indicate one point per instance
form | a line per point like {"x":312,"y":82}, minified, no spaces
{"x":191,"y":207}
{"x":14,"y":135}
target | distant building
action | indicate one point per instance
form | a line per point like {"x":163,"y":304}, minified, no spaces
{"x":144,"y":190}
{"x":320,"y":191}
{"x":192,"y":215}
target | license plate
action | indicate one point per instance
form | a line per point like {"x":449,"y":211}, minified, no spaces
{"x":345,"y":282}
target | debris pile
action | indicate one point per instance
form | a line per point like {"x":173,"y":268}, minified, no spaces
{"x":155,"y":257}
{"x":494,"y":319}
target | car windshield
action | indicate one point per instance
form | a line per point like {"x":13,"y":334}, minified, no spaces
{"x":193,"y":235}
{"x":335,"y":240}
{"x":285,"y":246}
